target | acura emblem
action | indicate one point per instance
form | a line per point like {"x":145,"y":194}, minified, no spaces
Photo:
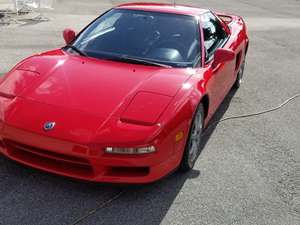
{"x":49,"y":126}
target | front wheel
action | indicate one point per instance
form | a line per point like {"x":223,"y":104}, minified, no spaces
{"x":192,"y":148}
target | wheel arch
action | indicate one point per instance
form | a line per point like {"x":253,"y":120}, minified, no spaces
{"x":246,"y":47}
{"x":205,"y":102}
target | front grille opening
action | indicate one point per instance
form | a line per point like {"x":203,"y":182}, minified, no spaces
{"x":128,"y":171}
{"x":52,"y":161}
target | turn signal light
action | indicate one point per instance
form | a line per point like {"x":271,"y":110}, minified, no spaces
{"x":130,"y":151}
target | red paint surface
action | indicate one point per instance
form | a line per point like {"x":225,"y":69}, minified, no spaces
{"x":97,"y":103}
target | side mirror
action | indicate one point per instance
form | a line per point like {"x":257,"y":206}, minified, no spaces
{"x":222,"y":55}
{"x":69,"y":35}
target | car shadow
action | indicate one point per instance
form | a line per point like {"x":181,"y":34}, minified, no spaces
{"x":51,"y":199}
{"x":213,"y":123}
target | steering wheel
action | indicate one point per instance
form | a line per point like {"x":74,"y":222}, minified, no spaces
{"x":151,"y":40}
{"x":174,"y":44}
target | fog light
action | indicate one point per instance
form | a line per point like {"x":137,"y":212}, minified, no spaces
{"x":143,"y":150}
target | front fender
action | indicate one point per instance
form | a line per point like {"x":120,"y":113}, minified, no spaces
{"x":178,"y":117}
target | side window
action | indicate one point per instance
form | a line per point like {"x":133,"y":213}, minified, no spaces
{"x":214,"y":34}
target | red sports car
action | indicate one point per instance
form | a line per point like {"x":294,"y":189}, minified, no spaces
{"x":126,"y":100}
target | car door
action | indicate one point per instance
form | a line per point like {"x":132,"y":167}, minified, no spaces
{"x":220,"y":76}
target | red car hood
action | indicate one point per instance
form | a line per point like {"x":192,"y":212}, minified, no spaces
{"x":83,"y":85}
{"x":89,"y":85}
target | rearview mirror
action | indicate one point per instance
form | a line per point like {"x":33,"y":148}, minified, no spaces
{"x":69,"y":35}
{"x":222,"y":55}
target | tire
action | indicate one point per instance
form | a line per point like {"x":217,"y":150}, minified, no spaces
{"x":239,"y":77}
{"x":192,"y":148}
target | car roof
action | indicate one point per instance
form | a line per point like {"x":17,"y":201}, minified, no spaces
{"x":166,"y":8}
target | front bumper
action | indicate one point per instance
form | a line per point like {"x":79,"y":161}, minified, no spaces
{"x":84,"y":162}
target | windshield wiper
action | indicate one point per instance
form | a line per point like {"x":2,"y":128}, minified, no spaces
{"x":125,"y":58}
{"x":77,"y":50}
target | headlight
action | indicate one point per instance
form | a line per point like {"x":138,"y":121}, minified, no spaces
{"x":130,"y":151}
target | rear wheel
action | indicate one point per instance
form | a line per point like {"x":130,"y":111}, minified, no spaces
{"x":192,"y":148}
{"x":239,"y":77}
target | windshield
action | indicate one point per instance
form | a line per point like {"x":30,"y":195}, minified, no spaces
{"x":165,"y":38}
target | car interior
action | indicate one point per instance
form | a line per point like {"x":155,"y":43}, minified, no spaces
{"x":151,"y":35}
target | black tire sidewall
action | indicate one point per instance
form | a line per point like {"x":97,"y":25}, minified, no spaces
{"x":239,"y":76}
{"x":185,"y":165}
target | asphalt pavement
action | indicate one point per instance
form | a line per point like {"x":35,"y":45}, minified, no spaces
{"x":248,"y":172}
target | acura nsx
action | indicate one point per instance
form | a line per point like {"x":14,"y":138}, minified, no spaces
{"x":127,"y":98}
